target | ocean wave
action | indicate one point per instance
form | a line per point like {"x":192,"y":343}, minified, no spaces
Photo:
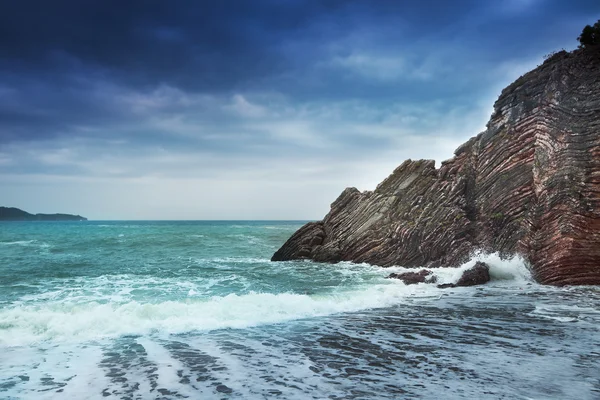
{"x":117,"y":226}
{"x":106,"y":306}
{"x":71,"y":320}
{"x":567,"y":313}
{"x":127,"y":287}
{"x":27,"y":243}
{"x":236,"y":260}
{"x":282,"y":227}
{"x":249,"y":239}
{"x":19,"y":243}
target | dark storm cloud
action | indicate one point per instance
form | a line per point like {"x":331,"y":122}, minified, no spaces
{"x":191,"y":43}
{"x":221,"y":45}
{"x":262,"y":76}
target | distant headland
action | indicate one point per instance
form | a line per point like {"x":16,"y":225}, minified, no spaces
{"x":15,"y":214}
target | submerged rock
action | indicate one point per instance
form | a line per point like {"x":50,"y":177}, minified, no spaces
{"x":446,"y":285}
{"x":529,"y":185}
{"x":411,"y":278}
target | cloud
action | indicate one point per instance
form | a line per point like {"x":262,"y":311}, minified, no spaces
{"x":377,"y":67}
{"x":262,"y":109}
{"x":520,"y":6}
{"x":161,"y":98}
{"x":244,"y":108}
{"x":387,"y":67}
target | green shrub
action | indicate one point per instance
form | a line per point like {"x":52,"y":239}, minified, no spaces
{"x":590,"y":35}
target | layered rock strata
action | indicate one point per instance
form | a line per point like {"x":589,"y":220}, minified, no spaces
{"x":529,"y":185}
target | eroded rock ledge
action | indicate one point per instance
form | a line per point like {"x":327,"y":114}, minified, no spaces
{"x":529,"y":184}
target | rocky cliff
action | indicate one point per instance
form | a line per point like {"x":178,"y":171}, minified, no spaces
{"x":529,"y":184}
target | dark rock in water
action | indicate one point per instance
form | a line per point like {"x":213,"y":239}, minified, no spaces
{"x":528,"y":185}
{"x":411,"y":278}
{"x":15,"y":214}
{"x":224,"y":389}
{"x":446,"y":285}
{"x":479,"y":274}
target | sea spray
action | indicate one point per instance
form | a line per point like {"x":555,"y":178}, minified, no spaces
{"x":512,"y":270}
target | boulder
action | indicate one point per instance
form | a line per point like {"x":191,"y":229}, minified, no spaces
{"x":479,"y":274}
{"x":476,"y":275}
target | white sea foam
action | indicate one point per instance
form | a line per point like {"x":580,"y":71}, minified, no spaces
{"x":75,"y":364}
{"x":235,"y":260}
{"x":106,"y":307}
{"x":567,"y":313}
{"x":27,"y":243}
{"x":246,"y":238}
{"x":18,"y":243}
{"x":512,"y":271}
{"x":126,"y":287}
{"x":282,"y":227}
{"x":117,"y":226}
{"x":167,"y":367}
{"x":66,"y":319}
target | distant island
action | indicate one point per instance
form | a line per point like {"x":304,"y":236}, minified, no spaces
{"x":15,"y":214}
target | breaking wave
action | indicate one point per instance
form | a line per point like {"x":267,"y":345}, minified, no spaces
{"x":87,"y":316}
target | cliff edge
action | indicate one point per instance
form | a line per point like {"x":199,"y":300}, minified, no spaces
{"x":529,"y":185}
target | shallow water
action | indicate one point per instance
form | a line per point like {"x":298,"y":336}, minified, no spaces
{"x":145,"y":310}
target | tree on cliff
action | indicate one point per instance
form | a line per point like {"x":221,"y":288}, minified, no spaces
{"x":590,"y":36}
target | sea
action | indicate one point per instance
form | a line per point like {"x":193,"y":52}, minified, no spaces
{"x":196,"y":310}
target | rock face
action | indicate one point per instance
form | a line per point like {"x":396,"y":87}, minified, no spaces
{"x":529,"y":185}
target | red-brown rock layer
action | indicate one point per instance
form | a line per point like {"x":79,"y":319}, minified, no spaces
{"x":529,"y":185}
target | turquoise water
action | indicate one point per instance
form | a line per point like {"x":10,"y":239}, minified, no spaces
{"x":146,"y":310}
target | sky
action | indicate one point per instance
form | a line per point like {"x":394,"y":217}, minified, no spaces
{"x":257,"y":109}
